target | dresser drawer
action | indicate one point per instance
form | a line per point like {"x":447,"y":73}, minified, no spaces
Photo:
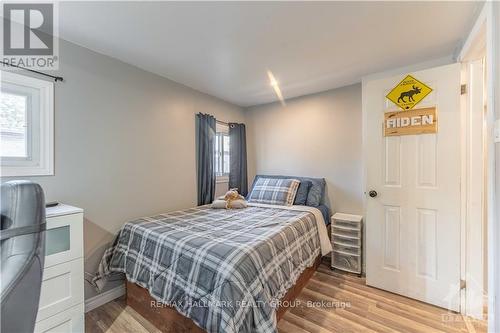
{"x":68,"y":321}
{"x":64,"y":241}
{"x":347,"y":224}
{"x":62,"y":288}
{"x":346,"y":262}
{"x":346,"y":241}
{"x":346,"y":232}
{"x":346,"y":249}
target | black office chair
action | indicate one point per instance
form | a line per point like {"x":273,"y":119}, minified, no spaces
{"x":22,"y":238}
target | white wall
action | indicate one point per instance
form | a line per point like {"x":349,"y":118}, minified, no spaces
{"x":316,"y":135}
{"x":124,"y":144}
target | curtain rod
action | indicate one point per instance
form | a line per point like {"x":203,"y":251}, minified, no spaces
{"x":56,"y":78}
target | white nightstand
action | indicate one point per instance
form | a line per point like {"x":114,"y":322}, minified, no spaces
{"x":61,"y":307}
{"x":346,"y":242}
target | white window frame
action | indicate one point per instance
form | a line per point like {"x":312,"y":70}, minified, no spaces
{"x":40,"y":161}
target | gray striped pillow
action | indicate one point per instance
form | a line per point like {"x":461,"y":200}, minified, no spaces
{"x":274,"y":191}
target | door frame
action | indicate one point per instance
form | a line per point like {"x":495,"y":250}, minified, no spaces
{"x":475,"y":174}
{"x":484,"y":34}
{"x":473,"y":186}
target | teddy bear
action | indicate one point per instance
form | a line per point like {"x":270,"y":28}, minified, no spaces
{"x":231,"y":196}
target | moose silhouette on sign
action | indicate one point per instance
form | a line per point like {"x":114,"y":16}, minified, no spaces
{"x":409,"y":94}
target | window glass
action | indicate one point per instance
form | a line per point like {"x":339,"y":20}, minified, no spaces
{"x":222,"y":147}
{"x":226,"y":154}
{"x":13,"y":125}
{"x":217,"y":154}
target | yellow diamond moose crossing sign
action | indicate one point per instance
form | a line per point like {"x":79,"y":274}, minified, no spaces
{"x":408,"y":93}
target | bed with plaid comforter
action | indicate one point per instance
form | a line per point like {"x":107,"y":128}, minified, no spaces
{"x":224,"y":269}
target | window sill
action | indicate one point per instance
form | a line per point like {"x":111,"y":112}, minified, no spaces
{"x":20,"y":171}
{"x":221,"y":179}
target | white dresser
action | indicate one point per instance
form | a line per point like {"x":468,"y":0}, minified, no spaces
{"x":61,"y":300}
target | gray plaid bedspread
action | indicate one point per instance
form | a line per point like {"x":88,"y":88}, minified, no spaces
{"x":224,"y":269}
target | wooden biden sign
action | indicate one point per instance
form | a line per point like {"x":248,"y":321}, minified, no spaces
{"x":418,"y":121}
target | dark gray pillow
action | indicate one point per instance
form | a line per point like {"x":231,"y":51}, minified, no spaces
{"x":302,"y":192}
{"x":316,"y":192}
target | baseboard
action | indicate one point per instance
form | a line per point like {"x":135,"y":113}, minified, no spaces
{"x":103,"y":298}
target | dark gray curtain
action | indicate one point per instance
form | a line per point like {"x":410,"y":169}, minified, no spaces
{"x":205,"y":136}
{"x":238,"y":158}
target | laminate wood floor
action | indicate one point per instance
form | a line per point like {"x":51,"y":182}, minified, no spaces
{"x":330,"y":302}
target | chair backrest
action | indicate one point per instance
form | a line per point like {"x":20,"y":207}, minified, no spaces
{"x":22,"y":238}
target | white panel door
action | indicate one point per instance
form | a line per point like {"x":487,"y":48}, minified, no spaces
{"x":413,"y":223}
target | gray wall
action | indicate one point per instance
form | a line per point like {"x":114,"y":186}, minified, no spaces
{"x":495,"y":238}
{"x":316,"y":135}
{"x":124,"y":143}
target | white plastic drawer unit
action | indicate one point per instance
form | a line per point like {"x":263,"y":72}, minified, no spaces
{"x":346,"y":242}
{"x":61,"y":307}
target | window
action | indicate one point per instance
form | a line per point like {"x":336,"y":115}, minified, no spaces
{"x":222,"y":147}
{"x":26,"y":126}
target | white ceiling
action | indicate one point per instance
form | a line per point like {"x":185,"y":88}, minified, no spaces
{"x":225,"y":48}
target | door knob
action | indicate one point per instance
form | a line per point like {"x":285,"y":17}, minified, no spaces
{"x":372,"y":193}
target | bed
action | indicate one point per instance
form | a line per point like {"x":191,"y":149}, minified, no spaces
{"x":202,"y":269}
